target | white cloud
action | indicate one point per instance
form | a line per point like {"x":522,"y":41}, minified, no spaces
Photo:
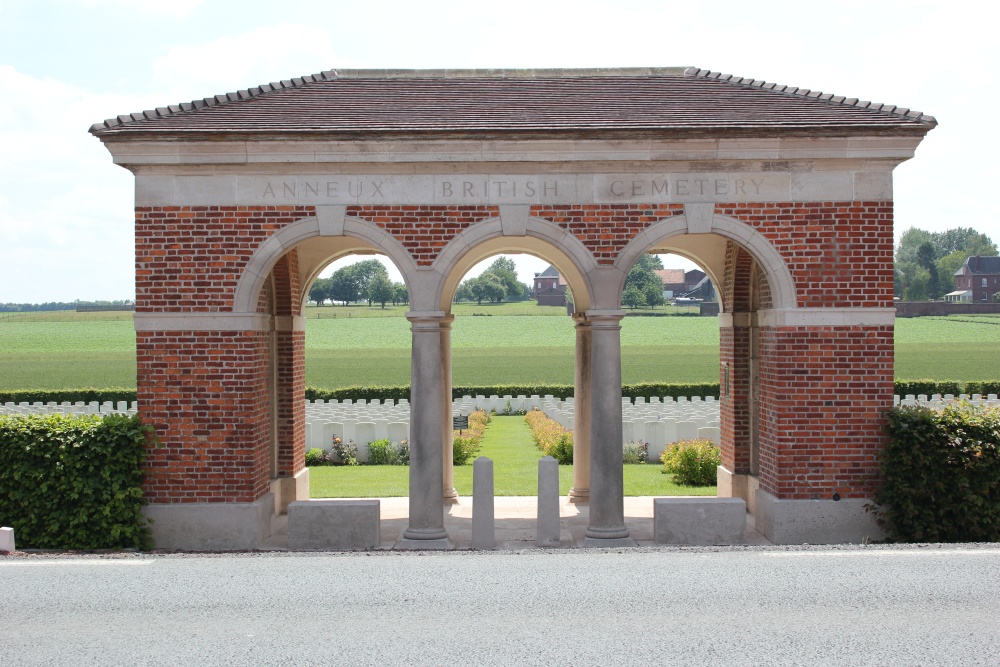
{"x":66,"y":218}
{"x":241,"y":61}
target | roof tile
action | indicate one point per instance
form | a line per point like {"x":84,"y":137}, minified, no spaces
{"x":513,"y":100}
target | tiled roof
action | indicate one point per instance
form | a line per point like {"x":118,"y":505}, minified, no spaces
{"x":979,"y":265}
{"x":670,"y":276}
{"x":422,"y":101}
{"x":550,"y":272}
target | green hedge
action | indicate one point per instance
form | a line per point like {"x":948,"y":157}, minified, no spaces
{"x":86,"y":395}
{"x":644,"y":389}
{"x":73,"y":482}
{"x":941,"y":475}
{"x":984,"y":388}
{"x":928,"y":387}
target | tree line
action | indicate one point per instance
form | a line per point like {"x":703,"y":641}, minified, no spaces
{"x":497,"y":283}
{"x":367,"y":280}
{"x":643,"y":288}
{"x":926,"y":262}
{"x":58,"y":305}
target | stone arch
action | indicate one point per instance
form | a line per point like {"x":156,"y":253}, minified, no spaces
{"x":520,"y":233}
{"x":327,"y":224}
{"x":779,"y":278}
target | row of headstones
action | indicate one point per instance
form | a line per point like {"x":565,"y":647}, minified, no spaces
{"x":67,"y":408}
{"x":659,"y":422}
{"x":938,"y":401}
{"x":359,"y":421}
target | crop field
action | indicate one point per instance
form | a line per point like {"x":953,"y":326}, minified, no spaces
{"x":59,"y":350}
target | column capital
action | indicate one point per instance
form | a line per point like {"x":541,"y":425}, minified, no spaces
{"x":429,"y":320}
{"x":598,"y":318}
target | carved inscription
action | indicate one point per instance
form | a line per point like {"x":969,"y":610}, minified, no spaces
{"x":480,"y":189}
{"x":682,"y":187}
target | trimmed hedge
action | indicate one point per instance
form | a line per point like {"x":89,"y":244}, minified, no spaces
{"x":941,"y":475}
{"x":928,"y":387}
{"x":643,"y":389}
{"x":86,"y":395}
{"x":73,"y":481}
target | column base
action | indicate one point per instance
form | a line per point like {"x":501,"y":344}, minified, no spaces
{"x":211,"y":526}
{"x":730,"y":484}
{"x":579,"y":496}
{"x":417,"y":539}
{"x":450,"y":496}
{"x":607,"y":537}
{"x":287,"y":490}
{"x":815,"y":521}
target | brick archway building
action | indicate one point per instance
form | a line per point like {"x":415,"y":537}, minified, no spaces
{"x":783,"y":195}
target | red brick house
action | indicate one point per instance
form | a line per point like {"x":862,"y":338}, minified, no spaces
{"x":549,"y":288}
{"x":977,"y":281}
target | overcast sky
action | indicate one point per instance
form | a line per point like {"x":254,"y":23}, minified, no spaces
{"x":66,"y":210}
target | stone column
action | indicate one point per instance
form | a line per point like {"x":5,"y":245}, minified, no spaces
{"x":447,"y":432}
{"x":580,"y":493}
{"x":607,"y":506}
{"x":425,"y":529}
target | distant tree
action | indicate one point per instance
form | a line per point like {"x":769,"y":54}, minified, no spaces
{"x":343,"y":285}
{"x":642,"y":274}
{"x":996,"y":297}
{"x":946,"y":267}
{"x":320,"y":291}
{"x":380,"y":289}
{"x":505,"y":269}
{"x":654,"y":295}
{"x":464,"y":292}
{"x":633,"y":297}
{"x":366,"y":271}
{"x":400,"y":294}
{"x":927,"y":260}
{"x":488,"y":286}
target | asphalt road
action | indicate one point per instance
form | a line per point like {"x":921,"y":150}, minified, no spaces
{"x":930,"y":605}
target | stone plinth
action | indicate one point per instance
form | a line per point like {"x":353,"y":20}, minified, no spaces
{"x":333,"y":524}
{"x":699,"y":521}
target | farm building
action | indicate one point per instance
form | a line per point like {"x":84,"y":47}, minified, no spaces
{"x":977,"y":281}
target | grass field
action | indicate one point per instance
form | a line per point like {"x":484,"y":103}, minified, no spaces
{"x":515,"y":466}
{"x":67,"y":349}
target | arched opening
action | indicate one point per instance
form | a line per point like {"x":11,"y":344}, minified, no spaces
{"x":748,"y":276}
{"x":283,"y":270}
{"x":504,"y":351}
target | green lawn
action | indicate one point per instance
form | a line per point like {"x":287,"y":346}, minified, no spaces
{"x":515,"y":469}
{"x":67,"y":349}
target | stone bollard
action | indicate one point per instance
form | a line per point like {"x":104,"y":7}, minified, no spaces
{"x":483,"y":525}
{"x":547,"y":532}
{"x":6,"y":539}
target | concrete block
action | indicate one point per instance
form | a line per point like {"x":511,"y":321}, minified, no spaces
{"x":547,"y":532}
{"x":825,"y":521}
{"x":6,"y":540}
{"x":334,"y":524}
{"x":483,"y":522}
{"x":699,"y":521}
{"x":211,"y":526}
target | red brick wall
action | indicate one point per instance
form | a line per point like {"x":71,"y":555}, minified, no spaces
{"x":839,"y":253}
{"x":606,"y":228}
{"x":205,"y":394}
{"x":424,"y":230}
{"x":824,"y":391}
{"x":189,"y":258}
{"x":291,"y":406}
